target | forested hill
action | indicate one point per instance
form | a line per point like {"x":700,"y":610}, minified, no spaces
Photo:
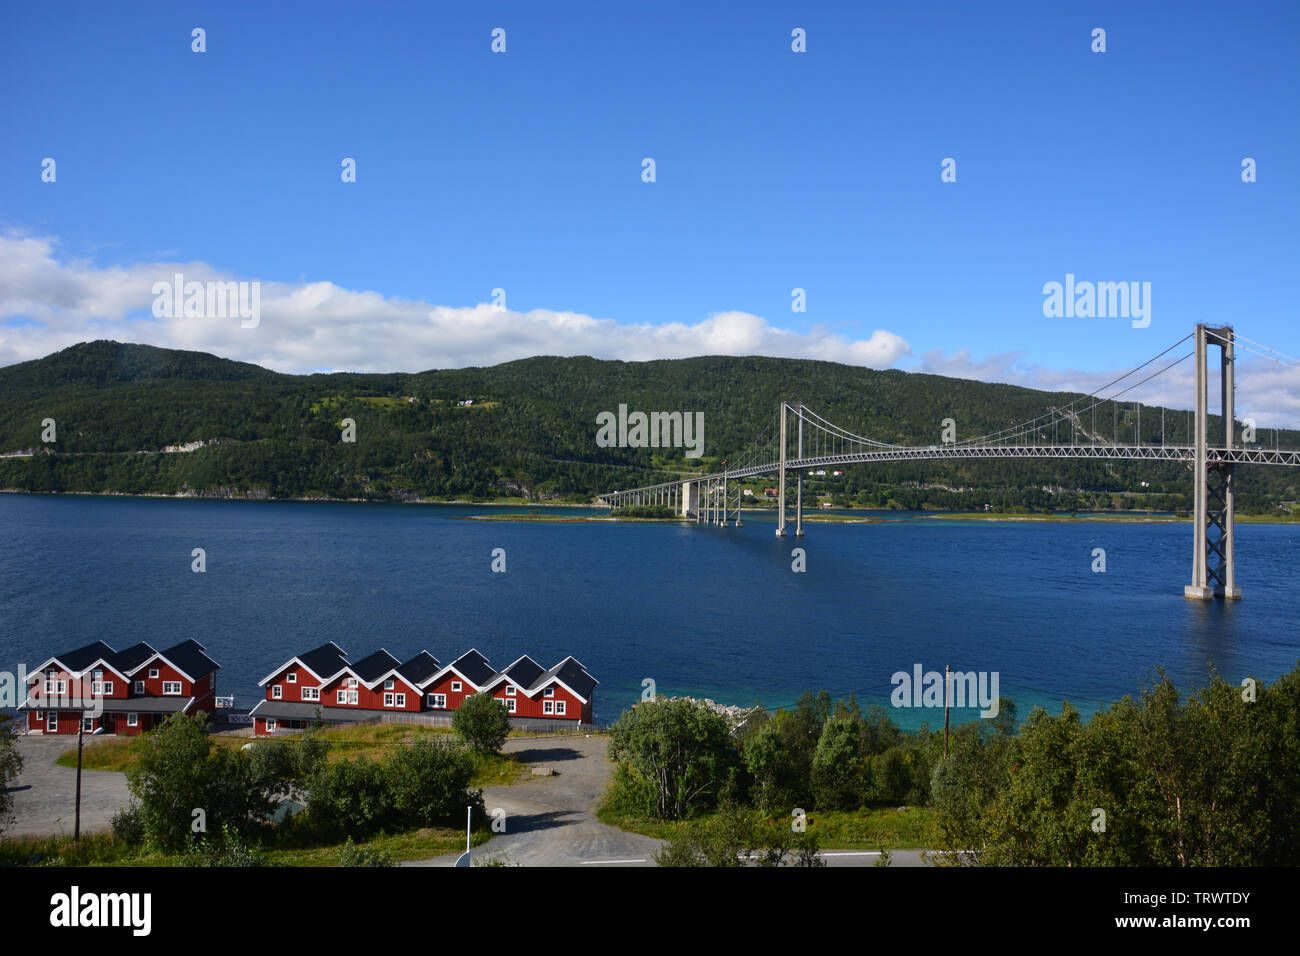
{"x":530,"y":431}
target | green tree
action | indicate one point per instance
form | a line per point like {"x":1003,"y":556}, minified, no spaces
{"x":170,"y":780}
{"x":837,"y":768}
{"x":683,"y":749}
{"x":768,"y":760}
{"x":350,"y":798}
{"x":429,"y":783}
{"x":11,"y":764}
{"x":483,"y":722}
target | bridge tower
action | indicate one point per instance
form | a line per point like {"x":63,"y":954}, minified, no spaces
{"x":1213,"y":568}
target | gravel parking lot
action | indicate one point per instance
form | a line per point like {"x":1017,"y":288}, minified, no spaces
{"x":45,"y":794}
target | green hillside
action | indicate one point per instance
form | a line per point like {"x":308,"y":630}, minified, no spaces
{"x":531,"y":431}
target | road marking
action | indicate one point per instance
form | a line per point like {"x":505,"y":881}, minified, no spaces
{"x":602,"y":862}
{"x":850,"y":853}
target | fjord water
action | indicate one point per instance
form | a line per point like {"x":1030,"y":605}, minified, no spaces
{"x":699,"y":610}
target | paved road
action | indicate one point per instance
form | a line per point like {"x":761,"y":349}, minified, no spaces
{"x":45,"y":793}
{"x":551,"y":821}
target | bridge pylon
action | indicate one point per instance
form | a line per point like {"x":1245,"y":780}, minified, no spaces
{"x":780,"y":479}
{"x":1213,"y":567}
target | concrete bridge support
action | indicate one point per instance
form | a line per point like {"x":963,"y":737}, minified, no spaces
{"x":1213,"y":567}
{"x":690,"y":499}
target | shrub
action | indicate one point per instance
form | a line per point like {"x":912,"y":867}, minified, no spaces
{"x":127,"y":825}
{"x":353,"y":855}
{"x":483,"y":722}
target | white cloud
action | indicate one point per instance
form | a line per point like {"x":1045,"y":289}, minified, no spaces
{"x":1267,"y":391}
{"x":47,"y":304}
{"x":312,"y":325}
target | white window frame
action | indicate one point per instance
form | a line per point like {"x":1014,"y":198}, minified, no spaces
{"x":40,"y":716}
{"x":559,"y":708}
{"x":311,"y":693}
{"x":270,"y":726}
{"x":455,"y":687}
{"x":399,"y":700}
{"x":510,"y":705}
{"x":172,"y":693}
{"x":353,"y":697}
{"x":108,"y":688}
{"x":510,"y":691}
{"x":97,"y":674}
{"x":388,"y":684}
{"x":548,"y":707}
{"x":52,"y":722}
{"x":153,"y":672}
{"x":352,"y":682}
{"x":88,"y":724}
{"x":388,"y":700}
{"x":276,"y":691}
{"x":139,"y":687}
{"x":438,"y":701}
{"x":133,"y":720}
{"x":59,"y":689}
{"x":341,"y":696}
{"x":291,"y":677}
{"x":550,"y":692}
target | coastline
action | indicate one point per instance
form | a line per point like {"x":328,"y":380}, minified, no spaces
{"x":876,"y":516}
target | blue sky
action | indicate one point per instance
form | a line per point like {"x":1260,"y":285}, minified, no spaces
{"x":775,"y":170}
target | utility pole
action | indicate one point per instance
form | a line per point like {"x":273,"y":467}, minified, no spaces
{"x":947,"y":681}
{"x":76,"y":826}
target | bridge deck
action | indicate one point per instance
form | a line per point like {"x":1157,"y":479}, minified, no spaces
{"x":1184,"y":453}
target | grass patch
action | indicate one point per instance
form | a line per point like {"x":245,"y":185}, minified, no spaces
{"x":374,"y":741}
{"x":104,"y":849}
{"x":915,"y":828}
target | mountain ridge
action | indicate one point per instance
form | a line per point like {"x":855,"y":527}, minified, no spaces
{"x":529,"y":433}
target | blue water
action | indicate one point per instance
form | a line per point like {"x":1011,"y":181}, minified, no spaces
{"x":700,"y":610}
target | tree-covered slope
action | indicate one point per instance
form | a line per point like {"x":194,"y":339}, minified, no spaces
{"x":530,"y":432}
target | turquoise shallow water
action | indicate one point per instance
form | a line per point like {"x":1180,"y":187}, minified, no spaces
{"x":699,"y":610}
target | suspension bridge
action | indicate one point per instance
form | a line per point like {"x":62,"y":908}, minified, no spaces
{"x":801,"y":439}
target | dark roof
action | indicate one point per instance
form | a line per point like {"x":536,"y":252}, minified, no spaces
{"x":78,"y":660}
{"x":189,"y":657}
{"x":371,"y":667}
{"x":293,"y":710}
{"x":574,"y":676}
{"x":146,"y":705}
{"x":524,"y":672}
{"x":325,"y":661}
{"x":131,"y":658}
{"x":420,"y":668}
{"x":475,"y":667}
{"x":120,"y":705}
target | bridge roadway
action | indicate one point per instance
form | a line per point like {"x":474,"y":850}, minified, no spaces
{"x":1184,"y":453}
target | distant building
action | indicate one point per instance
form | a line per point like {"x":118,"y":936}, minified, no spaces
{"x":133,"y":689}
{"x":324,"y":685}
